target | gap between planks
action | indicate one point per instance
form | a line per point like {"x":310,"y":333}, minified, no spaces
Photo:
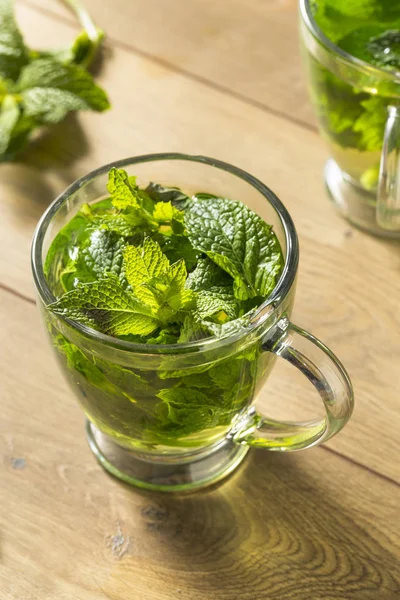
{"x":11,"y":291}
{"x":184,"y":72}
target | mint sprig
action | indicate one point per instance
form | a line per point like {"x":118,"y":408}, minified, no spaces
{"x":238,"y":241}
{"x":155,"y":298}
{"x":39,"y":88}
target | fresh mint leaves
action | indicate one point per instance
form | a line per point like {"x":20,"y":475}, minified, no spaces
{"x":155,"y":266}
{"x":113,"y":261}
{"x":238,"y":241}
{"x":105,"y":305}
{"x":41,"y":88}
{"x":13,"y":53}
{"x":385,"y":49}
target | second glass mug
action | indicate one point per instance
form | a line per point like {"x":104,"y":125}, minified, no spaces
{"x":209,"y":434}
{"x":358,"y":111}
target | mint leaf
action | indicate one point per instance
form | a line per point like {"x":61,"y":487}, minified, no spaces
{"x":102,"y":255}
{"x":167,"y":295}
{"x":229,"y":328}
{"x":155,"y":282}
{"x":228,"y":374}
{"x":45,"y":86}
{"x":50,"y":90}
{"x":207,"y":274}
{"x":95,"y":374}
{"x":371,"y":124}
{"x":169,"y":219}
{"x":144,"y":263}
{"x":238,"y":241}
{"x":218,"y":303}
{"x":13,"y":53}
{"x":192,"y":330}
{"x":164,"y":194}
{"x":176,"y":247}
{"x":187,"y":410}
{"x":122,"y":192}
{"x":9,"y":115}
{"x":165,"y":336}
{"x":105,"y":305}
{"x":385,"y":49}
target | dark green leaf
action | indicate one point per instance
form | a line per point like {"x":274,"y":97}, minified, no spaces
{"x":207,"y":274}
{"x":192,"y":330}
{"x":238,"y":241}
{"x":164,"y":194}
{"x":385,"y":49}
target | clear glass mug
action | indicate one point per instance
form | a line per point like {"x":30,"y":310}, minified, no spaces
{"x":121,"y":385}
{"x":358,"y":111}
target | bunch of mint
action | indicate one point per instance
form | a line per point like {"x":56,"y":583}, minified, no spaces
{"x":155,"y":266}
{"x":39,"y":88}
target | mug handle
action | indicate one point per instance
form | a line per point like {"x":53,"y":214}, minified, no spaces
{"x":327,"y":375}
{"x":388,"y":193}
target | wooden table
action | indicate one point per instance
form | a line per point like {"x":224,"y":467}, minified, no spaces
{"x":222,"y":79}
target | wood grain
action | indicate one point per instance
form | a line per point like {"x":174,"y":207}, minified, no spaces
{"x":348,"y":285}
{"x":284,"y":527}
{"x":249,"y":48}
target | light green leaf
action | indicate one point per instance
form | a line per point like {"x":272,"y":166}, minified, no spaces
{"x":107,"y":306}
{"x":238,"y":241}
{"x":13,"y":53}
{"x":144,"y":262}
{"x":9,"y":115}
{"x":50,"y":90}
{"x":122,"y":191}
{"x":168,"y":292}
{"x":51,"y":105}
{"x":164,"y":212}
{"x":141,"y":265}
{"x":371,"y":124}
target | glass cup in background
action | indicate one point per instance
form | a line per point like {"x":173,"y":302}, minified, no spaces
{"x":118,"y":383}
{"x":358,"y":111}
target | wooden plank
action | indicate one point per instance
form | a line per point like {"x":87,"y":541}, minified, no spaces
{"x":250,"y":48}
{"x":302,"y":526}
{"x":348,"y":283}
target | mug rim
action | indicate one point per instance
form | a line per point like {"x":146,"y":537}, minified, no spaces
{"x":316,"y":31}
{"x":263,"y":312}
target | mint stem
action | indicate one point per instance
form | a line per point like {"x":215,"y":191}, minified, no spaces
{"x":95,"y":34}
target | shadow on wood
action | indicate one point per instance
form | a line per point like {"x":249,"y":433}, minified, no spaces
{"x":273,"y":531}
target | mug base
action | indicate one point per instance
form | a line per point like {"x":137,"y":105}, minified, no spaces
{"x":355,"y":204}
{"x":165,"y":474}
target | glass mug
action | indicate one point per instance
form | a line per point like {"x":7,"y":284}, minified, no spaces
{"x":358,"y":111}
{"x":118,"y":383}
